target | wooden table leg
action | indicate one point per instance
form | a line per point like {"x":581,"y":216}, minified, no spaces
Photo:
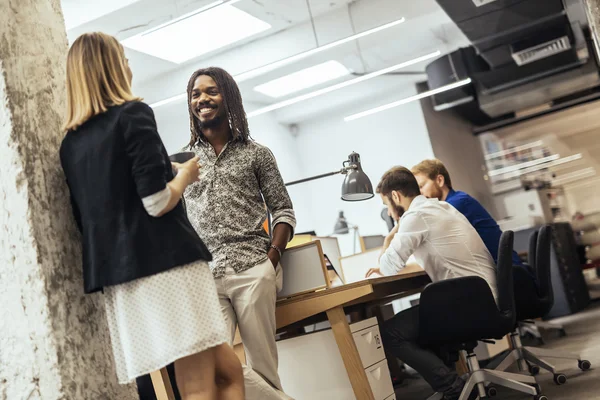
{"x":349,"y":352}
{"x":162,"y":385}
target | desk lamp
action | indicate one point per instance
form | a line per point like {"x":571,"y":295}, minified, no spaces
{"x":342,"y":228}
{"x":356,"y":185}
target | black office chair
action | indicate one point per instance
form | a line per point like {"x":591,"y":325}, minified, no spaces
{"x":456,"y":313}
{"x":527,"y":327}
{"x":535,"y":302}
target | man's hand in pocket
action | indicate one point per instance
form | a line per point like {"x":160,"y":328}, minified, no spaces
{"x":274,"y":257}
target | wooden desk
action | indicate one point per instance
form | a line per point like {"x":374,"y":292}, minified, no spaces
{"x":332,"y":302}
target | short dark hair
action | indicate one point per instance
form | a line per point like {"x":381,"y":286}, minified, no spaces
{"x":399,"y":179}
{"x":232,"y":100}
{"x":432,"y":168}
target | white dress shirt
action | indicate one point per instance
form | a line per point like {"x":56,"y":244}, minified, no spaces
{"x":442,"y":241}
{"x":157,"y":202}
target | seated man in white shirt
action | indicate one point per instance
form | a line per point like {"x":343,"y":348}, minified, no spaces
{"x":447,"y":246}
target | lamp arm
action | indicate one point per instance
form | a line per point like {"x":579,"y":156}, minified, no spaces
{"x":312,"y":178}
{"x":344,"y":170}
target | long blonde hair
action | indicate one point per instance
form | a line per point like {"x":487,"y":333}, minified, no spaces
{"x":98,"y":76}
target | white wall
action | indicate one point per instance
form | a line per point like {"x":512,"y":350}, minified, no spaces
{"x":394,"y":137}
{"x":173,"y":125}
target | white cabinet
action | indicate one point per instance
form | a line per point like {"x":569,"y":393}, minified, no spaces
{"x":311,"y":368}
{"x":369,"y":345}
{"x":380,"y":381}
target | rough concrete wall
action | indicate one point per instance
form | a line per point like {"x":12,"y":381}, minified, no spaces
{"x":54,"y":342}
{"x":593,"y":13}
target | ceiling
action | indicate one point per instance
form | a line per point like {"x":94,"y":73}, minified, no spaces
{"x":426,"y":29}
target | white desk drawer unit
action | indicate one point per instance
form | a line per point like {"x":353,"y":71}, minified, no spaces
{"x":311,"y":367}
{"x":368,"y":341}
{"x":380,"y":381}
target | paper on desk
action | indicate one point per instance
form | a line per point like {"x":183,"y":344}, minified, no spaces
{"x":356,"y":267}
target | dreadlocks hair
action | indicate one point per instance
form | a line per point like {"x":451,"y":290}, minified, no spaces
{"x":232,"y":100}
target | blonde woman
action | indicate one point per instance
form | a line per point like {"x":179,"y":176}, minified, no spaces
{"x":138,"y":245}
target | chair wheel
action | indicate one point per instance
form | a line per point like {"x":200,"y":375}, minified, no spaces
{"x":540,"y":397}
{"x":560,"y":379}
{"x":534,"y":369}
{"x":491,"y":391}
{"x":584,"y":365}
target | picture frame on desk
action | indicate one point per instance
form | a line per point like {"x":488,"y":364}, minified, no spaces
{"x":331,"y":248}
{"x":304,"y":270}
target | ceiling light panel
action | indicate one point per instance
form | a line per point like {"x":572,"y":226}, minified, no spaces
{"x":253,"y":73}
{"x":341,"y":85}
{"x":198,"y":34}
{"x":303,"y":79}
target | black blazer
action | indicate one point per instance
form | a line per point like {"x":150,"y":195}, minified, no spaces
{"x":111,"y":162}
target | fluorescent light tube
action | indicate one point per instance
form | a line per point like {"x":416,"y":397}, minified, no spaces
{"x":555,"y":163}
{"x":542,"y":163}
{"x":408,"y":100}
{"x":516,"y":149}
{"x":253,"y":73}
{"x":523,"y":165}
{"x":341,"y":85}
{"x":303,"y":79}
{"x":286,"y":61}
{"x":574,"y":176}
{"x":191,"y":36}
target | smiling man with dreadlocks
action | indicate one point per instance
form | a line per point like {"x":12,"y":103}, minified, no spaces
{"x":237,"y":178}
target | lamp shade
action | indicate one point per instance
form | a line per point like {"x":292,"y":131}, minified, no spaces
{"x":341,"y":225}
{"x":357,"y":185}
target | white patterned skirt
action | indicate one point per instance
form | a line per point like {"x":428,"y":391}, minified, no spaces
{"x":158,"y":319}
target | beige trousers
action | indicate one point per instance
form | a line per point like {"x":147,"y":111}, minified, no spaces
{"x":248,"y":301}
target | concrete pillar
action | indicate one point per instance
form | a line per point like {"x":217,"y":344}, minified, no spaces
{"x":453,"y":143}
{"x":593,"y":11}
{"x":54,"y":343}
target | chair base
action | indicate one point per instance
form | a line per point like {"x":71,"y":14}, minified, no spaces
{"x":551,"y":326}
{"x":533,"y":328}
{"x":480,"y":378}
{"x":524,"y":356}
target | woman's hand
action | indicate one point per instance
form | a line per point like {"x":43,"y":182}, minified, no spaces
{"x":190,"y":169}
{"x":187,"y":173}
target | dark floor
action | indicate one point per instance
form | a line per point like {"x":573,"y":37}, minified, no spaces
{"x":583,"y":337}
